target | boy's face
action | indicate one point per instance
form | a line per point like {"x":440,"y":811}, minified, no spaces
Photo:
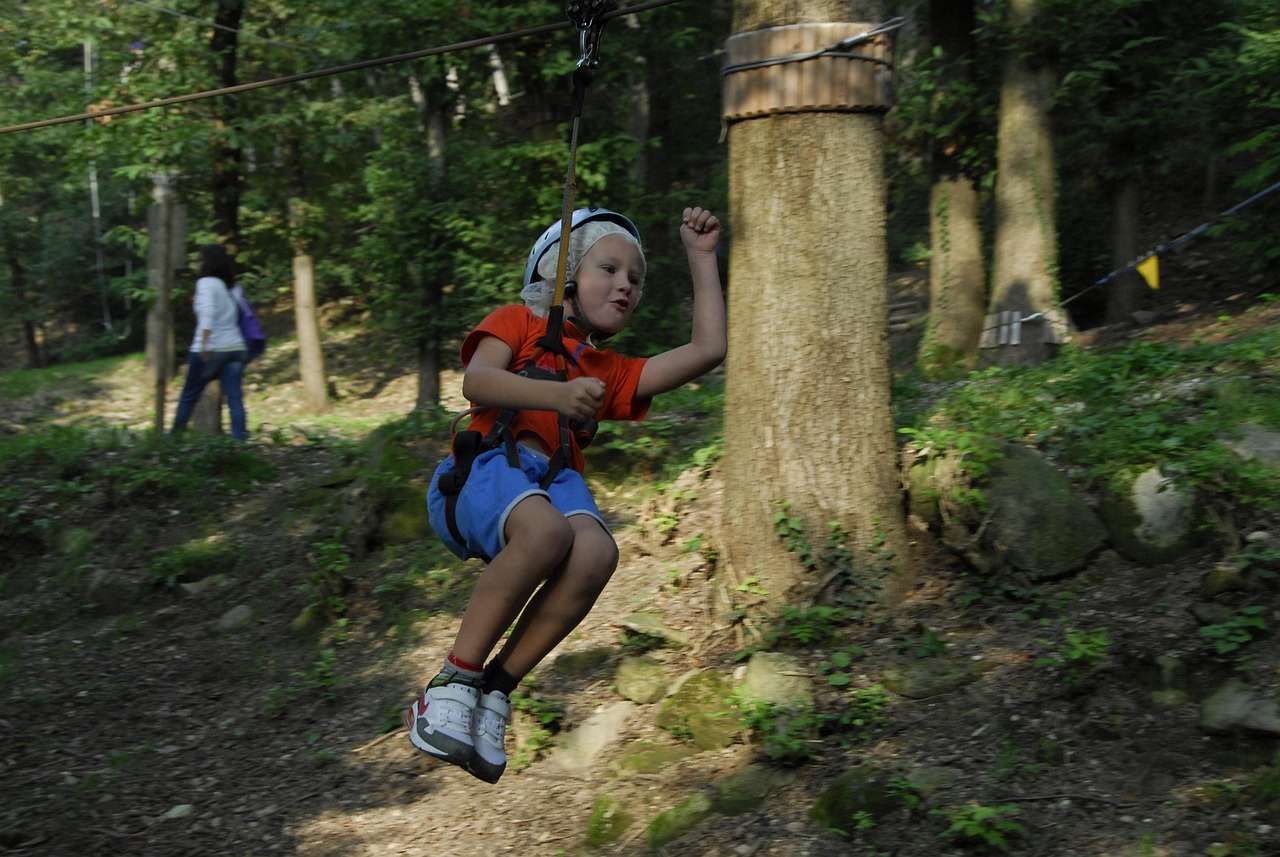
{"x":608,"y":281}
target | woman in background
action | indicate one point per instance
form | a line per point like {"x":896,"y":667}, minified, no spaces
{"x":218,"y":350}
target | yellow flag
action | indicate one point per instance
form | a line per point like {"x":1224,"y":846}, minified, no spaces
{"x":1149,"y":268}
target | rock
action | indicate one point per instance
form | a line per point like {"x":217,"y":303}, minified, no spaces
{"x":196,"y":588}
{"x":235,"y":618}
{"x":1237,"y":707}
{"x":646,"y":624}
{"x":641,"y":679}
{"x":695,"y":712}
{"x":855,"y":792}
{"x":109,"y":593}
{"x":929,"y":781}
{"x":676,"y":822}
{"x":1169,"y":699}
{"x":748,"y":789}
{"x":1254,"y":442}
{"x":648,"y":757}
{"x":580,"y":663}
{"x":579,"y":748}
{"x":609,"y":818}
{"x":1153,"y":521}
{"x":310,"y":620}
{"x":776,"y":678}
{"x":1223,"y":577}
{"x":921,"y":679}
{"x":1038,"y":525}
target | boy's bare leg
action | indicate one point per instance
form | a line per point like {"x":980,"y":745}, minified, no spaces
{"x":566,"y":598}
{"x":538,"y":540}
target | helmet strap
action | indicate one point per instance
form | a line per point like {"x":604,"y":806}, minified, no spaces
{"x":579,"y":317}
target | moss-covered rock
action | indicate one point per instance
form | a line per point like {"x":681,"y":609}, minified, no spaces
{"x":670,"y":825}
{"x":698,"y":712}
{"x":609,"y":819}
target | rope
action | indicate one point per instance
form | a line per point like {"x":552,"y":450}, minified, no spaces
{"x":1174,"y":244}
{"x":343,"y":69}
{"x":839,"y":49}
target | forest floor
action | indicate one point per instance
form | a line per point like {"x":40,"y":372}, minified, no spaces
{"x":151,"y":731}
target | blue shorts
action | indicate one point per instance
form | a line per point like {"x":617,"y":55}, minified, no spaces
{"x":493,"y":489}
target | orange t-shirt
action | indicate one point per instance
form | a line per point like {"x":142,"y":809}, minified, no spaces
{"x":520,"y":330}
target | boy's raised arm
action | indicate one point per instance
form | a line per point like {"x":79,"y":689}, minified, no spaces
{"x":708,"y":340}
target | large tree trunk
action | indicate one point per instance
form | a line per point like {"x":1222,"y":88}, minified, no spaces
{"x":957,"y":271}
{"x":1024,"y":277}
{"x":807,"y":419}
{"x":1126,"y":292}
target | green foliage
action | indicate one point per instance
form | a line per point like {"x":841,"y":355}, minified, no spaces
{"x":901,"y":789}
{"x":984,"y":828}
{"x":837,"y":664}
{"x":544,"y":717}
{"x":684,"y":428}
{"x":1117,"y":413}
{"x":1244,"y":627}
{"x":860,"y":712}
{"x":323,"y":675}
{"x":193,"y":561}
{"x":787,"y":736}
{"x":856,"y":584}
{"x":811,"y":625}
{"x":928,"y":645}
{"x":1079,"y":652}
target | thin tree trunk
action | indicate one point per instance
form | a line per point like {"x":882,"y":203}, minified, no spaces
{"x":1126,"y":292}
{"x":228,"y":158}
{"x":30,"y":330}
{"x":957,"y":279}
{"x":315,"y":389}
{"x":957,"y":271}
{"x":160,"y":346}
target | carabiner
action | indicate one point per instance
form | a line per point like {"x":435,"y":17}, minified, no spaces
{"x":586,"y":16}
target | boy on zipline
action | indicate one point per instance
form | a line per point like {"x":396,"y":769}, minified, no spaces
{"x":517,"y":498}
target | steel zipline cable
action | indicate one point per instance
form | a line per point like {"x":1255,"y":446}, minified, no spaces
{"x":328,"y":72}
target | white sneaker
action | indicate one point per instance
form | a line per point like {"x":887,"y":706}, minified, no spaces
{"x":489,"y":735}
{"x":440,"y":722}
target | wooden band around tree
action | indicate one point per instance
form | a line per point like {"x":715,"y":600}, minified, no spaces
{"x":858,"y":78}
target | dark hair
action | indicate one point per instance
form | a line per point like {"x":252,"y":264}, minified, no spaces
{"x":215,"y":261}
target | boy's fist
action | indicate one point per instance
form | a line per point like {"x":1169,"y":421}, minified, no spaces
{"x":581,"y":397}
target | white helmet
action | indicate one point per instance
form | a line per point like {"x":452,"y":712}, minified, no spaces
{"x":551,"y":236}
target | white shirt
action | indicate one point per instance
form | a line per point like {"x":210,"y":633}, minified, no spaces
{"x":216,"y":312}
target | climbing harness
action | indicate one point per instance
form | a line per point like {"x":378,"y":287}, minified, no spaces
{"x":588,"y":16}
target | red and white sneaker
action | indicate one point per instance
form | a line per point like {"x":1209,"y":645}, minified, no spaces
{"x":488,"y":734}
{"x":440,"y":722}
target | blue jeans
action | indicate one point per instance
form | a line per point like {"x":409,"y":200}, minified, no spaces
{"x":225,"y":366}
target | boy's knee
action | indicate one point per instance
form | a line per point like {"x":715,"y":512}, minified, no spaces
{"x":548,"y":535}
{"x":598,"y":552}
